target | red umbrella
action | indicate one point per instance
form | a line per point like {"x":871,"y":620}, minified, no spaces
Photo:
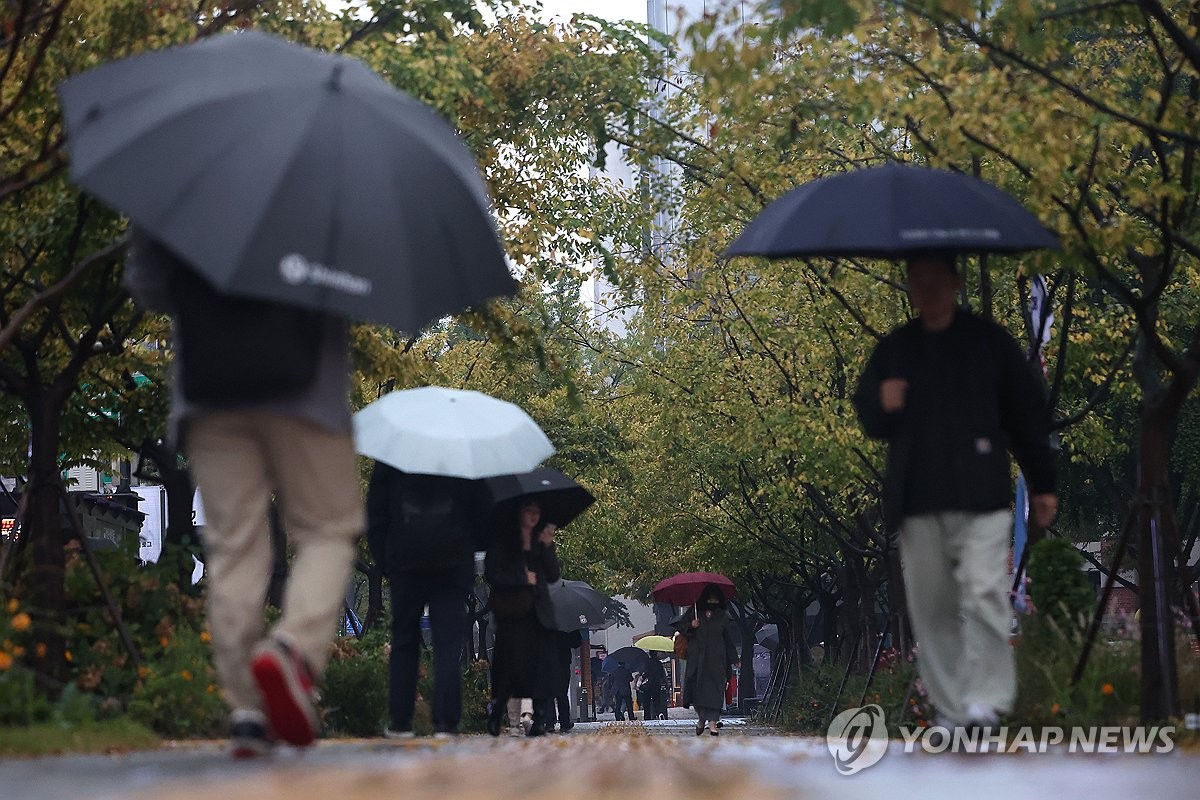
{"x":684,"y":589}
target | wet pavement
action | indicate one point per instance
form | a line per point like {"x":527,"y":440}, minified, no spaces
{"x":597,"y":760}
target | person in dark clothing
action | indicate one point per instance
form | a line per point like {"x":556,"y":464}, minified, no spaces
{"x":422,"y":529}
{"x":519,"y":565}
{"x":620,"y":678}
{"x":711,"y":657}
{"x":952,"y":393}
{"x":564,"y":642}
{"x":654,"y":705}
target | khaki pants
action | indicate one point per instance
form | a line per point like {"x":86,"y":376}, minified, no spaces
{"x":956,"y":578}
{"x":239,"y":460}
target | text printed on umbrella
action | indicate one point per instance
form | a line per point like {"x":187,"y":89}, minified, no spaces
{"x":296,"y":269}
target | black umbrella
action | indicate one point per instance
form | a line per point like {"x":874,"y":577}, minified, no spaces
{"x":577,"y":605}
{"x":632,"y":658}
{"x":890,"y":211}
{"x":561,"y":498}
{"x":768,"y":636}
{"x":288,"y":174}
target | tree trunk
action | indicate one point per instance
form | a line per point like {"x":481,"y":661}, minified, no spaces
{"x":44,"y":527}
{"x":1156,"y":570}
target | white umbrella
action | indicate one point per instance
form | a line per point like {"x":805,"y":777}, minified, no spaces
{"x":454,"y":432}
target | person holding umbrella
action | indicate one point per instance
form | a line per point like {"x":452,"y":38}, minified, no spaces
{"x":951,"y":393}
{"x":423,"y":530}
{"x":520,"y":563}
{"x":711,"y":657}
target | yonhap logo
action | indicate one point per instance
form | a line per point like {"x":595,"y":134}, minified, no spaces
{"x":295,"y":269}
{"x":857,"y":738}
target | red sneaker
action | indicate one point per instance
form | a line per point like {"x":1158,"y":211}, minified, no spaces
{"x":288,"y":691}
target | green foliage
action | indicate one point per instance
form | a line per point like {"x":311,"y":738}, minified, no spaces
{"x":104,"y":736}
{"x":20,"y":702}
{"x":1108,"y":693}
{"x":354,"y":694}
{"x":177,"y":694}
{"x":1058,"y":585}
{"x":810,"y":701}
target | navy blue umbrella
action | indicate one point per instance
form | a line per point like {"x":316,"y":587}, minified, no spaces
{"x":891,"y":211}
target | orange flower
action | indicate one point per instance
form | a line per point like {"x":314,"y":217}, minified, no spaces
{"x":186,"y":675}
{"x":21,"y":622}
{"x":13,"y":605}
{"x":205,"y":636}
{"x":1107,"y":689}
{"x":1054,"y":709}
{"x":164,"y":641}
{"x":6,"y":661}
{"x":18,"y":651}
{"x":40,"y":650}
{"x":67,"y":655}
{"x":143,"y":672}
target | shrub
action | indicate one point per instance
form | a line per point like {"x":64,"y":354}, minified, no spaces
{"x":1058,"y":585}
{"x":176,"y":693}
{"x":354,"y":695}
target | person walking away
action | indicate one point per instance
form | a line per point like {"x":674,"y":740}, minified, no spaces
{"x":422,"y":530}
{"x":247,"y":443}
{"x":620,"y":679}
{"x":520,"y":563}
{"x":952,"y":393}
{"x":654,"y":705}
{"x":564,"y":643}
{"x":711,"y":656}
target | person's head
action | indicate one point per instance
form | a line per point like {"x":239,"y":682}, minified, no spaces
{"x":530,"y":514}
{"x":933,"y":284}
{"x":711,"y":598}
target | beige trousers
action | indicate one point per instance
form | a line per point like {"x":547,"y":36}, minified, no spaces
{"x":239,"y":459}
{"x":956,"y":578}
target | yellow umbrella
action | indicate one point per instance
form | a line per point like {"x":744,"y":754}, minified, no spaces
{"x":663,"y":643}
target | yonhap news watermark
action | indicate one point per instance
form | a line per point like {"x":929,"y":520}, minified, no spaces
{"x":858,"y":738}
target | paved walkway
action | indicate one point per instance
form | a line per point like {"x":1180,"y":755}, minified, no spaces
{"x":604,"y":761}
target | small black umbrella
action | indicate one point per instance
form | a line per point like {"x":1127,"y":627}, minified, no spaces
{"x":289,"y":174}
{"x":890,"y":211}
{"x":577,"y":606}
{"x":561,"y":498}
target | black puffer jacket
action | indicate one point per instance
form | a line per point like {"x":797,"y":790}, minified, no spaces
{"x":972,"y":397}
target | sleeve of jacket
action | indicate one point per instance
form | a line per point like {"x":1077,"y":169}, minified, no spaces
{"x":684,"y":625}
{"x":551,"y":567}
{"x":378,"y":517}
{"x":731,"y":655}
{"x":877,"y":423}
{"x":1026,"y":418}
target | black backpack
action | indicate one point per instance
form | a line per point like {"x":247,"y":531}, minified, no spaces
{"x":235,"y":350}
{"x":433,"y":523}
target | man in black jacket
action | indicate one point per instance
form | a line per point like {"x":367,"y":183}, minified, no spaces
{"x":952,"y":394}
{"x":423,"y":530}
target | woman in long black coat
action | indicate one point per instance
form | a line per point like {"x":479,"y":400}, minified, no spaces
{"x":711,"y":657}
{"x":519,"y":565}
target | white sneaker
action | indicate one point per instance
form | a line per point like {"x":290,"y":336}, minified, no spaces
{"x":388,"y":733}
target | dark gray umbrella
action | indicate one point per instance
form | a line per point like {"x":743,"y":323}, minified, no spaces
{"x":577,"y":606}
{"x":288,"y":174}
{"x":561,"y":498}
{"x":768,"y":636}
{"x":632,"y":658}
{"x":890,"y":211}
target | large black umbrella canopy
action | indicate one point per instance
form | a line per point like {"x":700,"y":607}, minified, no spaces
{"x":632,"y":658}
{"x":891,"y":211}
{"x":577,"y":606}
{"x":561,"y":498}
{"x":289,"y":174}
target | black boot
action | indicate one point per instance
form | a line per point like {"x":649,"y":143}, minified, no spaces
{"x":495,"y":717}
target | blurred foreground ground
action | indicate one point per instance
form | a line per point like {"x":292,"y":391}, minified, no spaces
{"x":598,"y":760}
